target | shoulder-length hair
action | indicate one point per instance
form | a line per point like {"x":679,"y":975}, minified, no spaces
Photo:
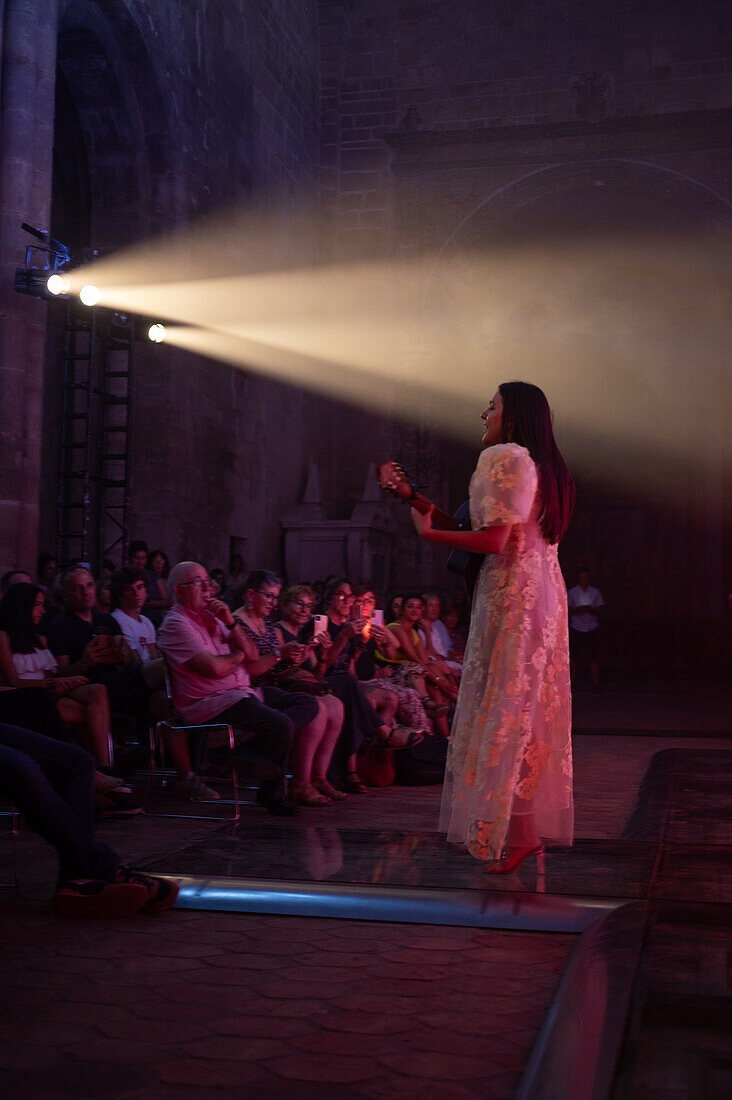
{"x":16,"y":617}
{"x":258,"y":577}
{"x":527,"y":420}
{"x":166,"y":560}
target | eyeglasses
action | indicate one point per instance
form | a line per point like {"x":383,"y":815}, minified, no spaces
{"x":197,"y":581}
{"x":271,"y":596}
{"x":344,"y":595}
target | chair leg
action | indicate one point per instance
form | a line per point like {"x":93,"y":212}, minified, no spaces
{"x":13,"y":814}
{"x":234,"y":776}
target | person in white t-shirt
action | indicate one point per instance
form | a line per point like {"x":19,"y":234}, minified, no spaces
{"x":585,"y":603}
{"x":434,"y":632}
{"x":129,"y":592}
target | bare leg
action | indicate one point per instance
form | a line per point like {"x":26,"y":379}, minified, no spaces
{"x":334,"y":721}
{"x":153,"y":673}
{"x":176,"y":743}
{"x":305,"y":745}
{"x":88,"y":706}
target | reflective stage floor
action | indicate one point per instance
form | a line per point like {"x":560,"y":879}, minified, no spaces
{"x":655,"y":809}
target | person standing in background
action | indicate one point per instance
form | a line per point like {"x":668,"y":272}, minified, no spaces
{"x":584,"y":604}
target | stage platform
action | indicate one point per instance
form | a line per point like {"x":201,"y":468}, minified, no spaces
{"x":352,"y":952}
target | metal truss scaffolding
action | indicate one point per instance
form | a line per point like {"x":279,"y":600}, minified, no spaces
{"x":97,"y":373}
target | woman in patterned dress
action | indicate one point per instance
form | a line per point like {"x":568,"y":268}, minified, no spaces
{"x":508,"y":781}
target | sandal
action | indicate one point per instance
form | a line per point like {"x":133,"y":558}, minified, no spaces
{"x":321,"y":784}
{"x":435,"y":710}
{"x":401,"y":737}
{"x":351,"y":782}
{"x":305,"y":794}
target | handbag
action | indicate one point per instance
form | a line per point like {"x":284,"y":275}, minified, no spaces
{"x":422,"y":765}
{"x":297,"y":678}
{"x":376,"y":765}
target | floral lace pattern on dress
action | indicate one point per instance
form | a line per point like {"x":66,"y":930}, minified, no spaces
{"x":510,"y":749}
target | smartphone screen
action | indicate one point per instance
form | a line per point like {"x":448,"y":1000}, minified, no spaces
{"x":377,"y":618}
{"x":320,"y":624}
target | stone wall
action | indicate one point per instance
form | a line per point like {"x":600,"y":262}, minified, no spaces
{"x":27,"y":64}
{"x":465,"y":124}
{"x":414,"y":125}
{"x":185,"y":111}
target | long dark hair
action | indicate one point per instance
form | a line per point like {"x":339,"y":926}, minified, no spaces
{"x":16,"y":611}
{"x":159,"y":553}
{"x":527,"y":420}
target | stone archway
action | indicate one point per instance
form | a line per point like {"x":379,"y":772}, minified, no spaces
{"x":593,"y":195}
{"x":112,"y":130}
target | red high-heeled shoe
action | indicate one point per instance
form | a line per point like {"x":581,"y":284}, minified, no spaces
{"x":506,"y":865}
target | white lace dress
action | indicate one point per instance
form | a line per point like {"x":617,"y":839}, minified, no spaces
{"x":510,"y":748}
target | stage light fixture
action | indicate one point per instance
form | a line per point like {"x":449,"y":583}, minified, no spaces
{"x":58,"y":284}
{"x":89,"y":294}
{"x":156,"y":333}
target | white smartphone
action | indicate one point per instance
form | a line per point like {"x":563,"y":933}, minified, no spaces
{"x":377,"y":618}
{"x":321,"y":624}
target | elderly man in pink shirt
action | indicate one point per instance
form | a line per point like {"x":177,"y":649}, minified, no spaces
{"x":210,"y":658}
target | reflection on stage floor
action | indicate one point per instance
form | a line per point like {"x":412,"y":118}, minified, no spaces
{"x":303,"y":852}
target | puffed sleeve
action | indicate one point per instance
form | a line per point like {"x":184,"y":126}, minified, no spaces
{"x":503,"y":486}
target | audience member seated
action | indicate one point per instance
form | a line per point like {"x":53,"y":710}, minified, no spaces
{"x":372,"y":673}
{"x":451,"y":614}
{"x":314,"y":744}
{"x":108,"y":568}
{"x":137,"y":554}
{"x":13,"y":576}
{"x":51,"y":783}
{"x":129,"y":592}
{"x":394,"y":607}
{"x":235,"y":580}
{"x":45,"y":570}
{"x":211,"y":657}
{"x":158,"y":597}
{"x":55,"y":604}
{"x":218,"y":586}
{"x":88,"y":643}
{"x":413,"y":666}
{"x":334,"y":655}
{"x":26,"y":661}
{"x":104,"y":596}
{"x":433,"y":634}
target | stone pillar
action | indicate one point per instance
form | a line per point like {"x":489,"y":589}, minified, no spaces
{"x":27,"y":84}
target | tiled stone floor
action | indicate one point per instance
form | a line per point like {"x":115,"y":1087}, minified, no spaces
{"x":209,"y":1004}
{"x":198,"y":1004}
{"x":683,"y":1034}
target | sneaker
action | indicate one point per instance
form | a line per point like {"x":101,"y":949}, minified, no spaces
{"x":194,"y":789}
{"x":90,"y":897}
{"x":117,"y":803}
{"x":160,"y":893}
